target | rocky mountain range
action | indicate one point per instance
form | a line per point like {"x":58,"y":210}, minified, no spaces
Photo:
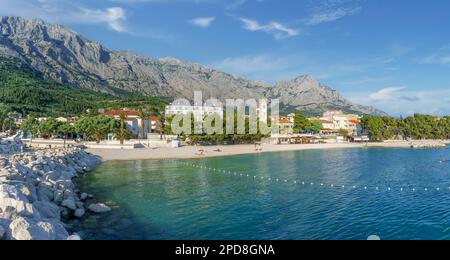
{"x":68,"y":57}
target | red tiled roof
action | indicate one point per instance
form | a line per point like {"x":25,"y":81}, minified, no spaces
{"x":122,"y":112}
{"x":153,"y":118}
{"x":356,"y":122}
{"x":284,"y":121}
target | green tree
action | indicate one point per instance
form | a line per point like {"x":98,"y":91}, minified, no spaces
{"x":143,"y":115}
{"x":415,"y":127}
{"x":65,"y":129}
{"x":344,"y":133}
{"x":30,"y":126}
{"x":96,"y":126}
{"x":4,"y":110}
{"x":301,"y":123}
{"x":8,"y":124}
{"x":315,"y":126}
{"x":122,"y":130}
{"x":49,"y":127}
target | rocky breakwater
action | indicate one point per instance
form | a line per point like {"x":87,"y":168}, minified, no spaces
{"x":10,"y":147}
{"x":37,"y":193}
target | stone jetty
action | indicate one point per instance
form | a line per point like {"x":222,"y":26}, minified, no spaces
{"x":37,"y":192}
{"x":428,"y":144}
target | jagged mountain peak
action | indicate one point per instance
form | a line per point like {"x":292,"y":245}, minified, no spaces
{"x":78,"y":62}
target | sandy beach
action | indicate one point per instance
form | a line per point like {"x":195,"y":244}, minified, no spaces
{"x":195,"y":152}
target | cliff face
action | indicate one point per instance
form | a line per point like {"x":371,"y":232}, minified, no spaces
{"x":76,"y":61}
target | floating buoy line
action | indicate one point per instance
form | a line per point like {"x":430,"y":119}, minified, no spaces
{"x":406,"y":188}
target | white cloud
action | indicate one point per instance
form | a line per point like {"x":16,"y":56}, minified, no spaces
{"x":386,"y":94}
{"x":278,"y":30}
{"x":113,"y":17}
{"x":332,"y":15}
{"x":402,"y":101}
{"x":62,"y":11}
{"x":441,"y":56}
{"x":203,"y":22}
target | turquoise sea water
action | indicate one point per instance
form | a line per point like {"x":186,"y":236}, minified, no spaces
{"x":347,"y":194}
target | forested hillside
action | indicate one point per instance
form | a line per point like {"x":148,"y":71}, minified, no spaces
{"x":25,"y":90}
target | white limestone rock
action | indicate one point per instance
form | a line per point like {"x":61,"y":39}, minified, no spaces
{"x":11,"y":197}
{"x":70,"y":204}
{"x":26,"y":229}
{"x":48,"y":210}
{"x":99,"y":208}
{"x":33,"y":185}
{"x":74,"y":237}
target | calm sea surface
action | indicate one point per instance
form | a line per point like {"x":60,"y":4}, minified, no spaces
{"x":323,"y":194}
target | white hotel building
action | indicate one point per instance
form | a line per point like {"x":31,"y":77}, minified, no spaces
{"x":199,"y":112}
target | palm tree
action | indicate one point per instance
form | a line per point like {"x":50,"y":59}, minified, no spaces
{"x":160,"y":124}
{"x":143,"y":116}
{"x":122,"y":128}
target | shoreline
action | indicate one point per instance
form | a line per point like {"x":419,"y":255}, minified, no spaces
{"x":193,"y":152}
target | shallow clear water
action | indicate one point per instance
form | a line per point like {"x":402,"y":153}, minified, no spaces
{"x":175,"y":200}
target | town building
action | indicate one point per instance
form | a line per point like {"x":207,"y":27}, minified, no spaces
{"x":153,"y":121}
{"x":133,"y":122}
{"x":286,"y":124}
{"x":334,"y":121}
{"x":199,"y":112}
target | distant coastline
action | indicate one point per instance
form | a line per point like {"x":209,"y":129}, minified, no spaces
{"x":199,"y":152}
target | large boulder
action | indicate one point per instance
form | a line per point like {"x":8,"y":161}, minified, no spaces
{"x":28,"y":229}
{"x":99,"y":208}
{"x":48,"y":210}
{"x":11,"y":197}
{"x":70,"y":204}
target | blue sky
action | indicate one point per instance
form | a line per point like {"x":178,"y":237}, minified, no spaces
{"x":392,"y":54}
